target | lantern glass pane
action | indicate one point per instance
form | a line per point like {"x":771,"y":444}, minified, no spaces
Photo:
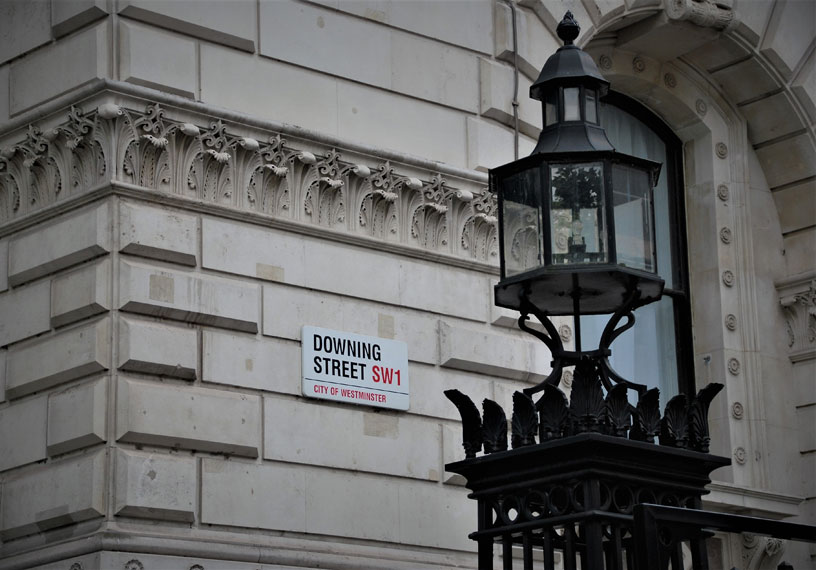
{"x":632,"y":206}
{"x":577,"y":226}
{"x":591,"y":109}
{"x":551,"y":108}
{"x":572,"y":108}
{"x":521,"y":220}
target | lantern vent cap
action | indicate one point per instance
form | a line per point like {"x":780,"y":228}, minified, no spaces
{"x":569,"y":64}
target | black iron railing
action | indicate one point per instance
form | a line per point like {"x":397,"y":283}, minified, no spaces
{"x":660,"y":531}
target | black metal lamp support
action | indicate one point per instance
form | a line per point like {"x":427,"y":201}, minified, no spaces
{"x":562,"y":358}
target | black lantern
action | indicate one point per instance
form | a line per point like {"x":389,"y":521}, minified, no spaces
{"x":576,"y":218}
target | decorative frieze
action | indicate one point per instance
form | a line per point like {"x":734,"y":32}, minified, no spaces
{"x":272,"y":177}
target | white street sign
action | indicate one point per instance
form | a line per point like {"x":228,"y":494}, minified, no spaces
{"x":356,"y":369}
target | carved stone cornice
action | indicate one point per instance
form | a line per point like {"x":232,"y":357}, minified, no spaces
{"x":209,"y":162}
{"x":798,"y":299}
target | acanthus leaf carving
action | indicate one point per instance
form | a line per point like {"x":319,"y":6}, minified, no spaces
{"x":146,"y":148}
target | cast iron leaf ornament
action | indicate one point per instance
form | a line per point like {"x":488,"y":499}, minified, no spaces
{"x":674,"y":425}
{"x":646,"y":417}
{"x":525,"y":421}
{"x":471,"y":422}
{"x":618,"y":411}
{"x":698,"y":417}
{"x":553,"y":413}
{"x":587,"y":399}
{"x":494,"y":427}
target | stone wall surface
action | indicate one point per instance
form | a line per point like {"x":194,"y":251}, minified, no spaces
{"x":184,"y":185}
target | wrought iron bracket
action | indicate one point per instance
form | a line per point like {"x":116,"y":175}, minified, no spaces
{"x":562,"y":358}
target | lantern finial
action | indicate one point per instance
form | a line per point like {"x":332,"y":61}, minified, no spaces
{"x":568,"y":29}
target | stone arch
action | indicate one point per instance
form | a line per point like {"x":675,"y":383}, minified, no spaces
{"x":740,"y":103}
{"x":759,"y":57}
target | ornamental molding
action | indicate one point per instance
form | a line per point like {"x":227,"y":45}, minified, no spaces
{"x":798,"y":299}
{"x":211,"y":161}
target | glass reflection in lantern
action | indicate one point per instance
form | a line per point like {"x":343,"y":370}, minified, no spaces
{"x":577,"y":213}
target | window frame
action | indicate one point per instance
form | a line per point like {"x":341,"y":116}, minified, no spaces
{"x":678,"y":290}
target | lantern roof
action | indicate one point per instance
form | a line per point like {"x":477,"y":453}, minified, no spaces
{"x":569,"y":64}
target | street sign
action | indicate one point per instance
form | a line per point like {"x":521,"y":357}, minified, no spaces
{"x":355,"y":369}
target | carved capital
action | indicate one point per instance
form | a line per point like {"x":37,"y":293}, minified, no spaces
{"x":798,"y":300}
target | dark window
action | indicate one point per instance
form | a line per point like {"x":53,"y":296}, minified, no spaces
{"x":657,"y":351}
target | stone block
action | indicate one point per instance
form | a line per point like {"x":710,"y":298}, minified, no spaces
{"x":3,"y":358}
{"x":719,"y":53}
{"x":262,"y":253}
{"x":351,"y":438}
{"x":496,"y":101}
{"x":363,"y":113}
{"x":491,"y":145}
{"x":349,"y":493}
{"x":26,"y":312}
{"x":803,"y":87}
{"x":745,"y":80}
{"x":23,"y":433}
{"x":770,"y":118}
{"x":789,"y":160}
{"x":278,"y":256}
{"x":56,"y":494}
{"x":796,"y":205}
{"x":157,"y":59}
{"x":58,"y":244}
{"x":153,"y":348}
{"x":488,"y":353}
{"x":799,"y":248}
{"x":601,"y":11}
{"x":232,"y":23}
{"x":789,"y":35}
{"x":752,"y":18}
{"x":270,"y":495}
{"x":429,"y":382}
{"x":239,"y":81}
{"x":446,"y":21}
{"x":56,"y":359}
{"x":4,"y":93}
{"x":308,"y":36}
{"x":155,"y":486}
{"x":24,"y":25}
{"x":81,"y":293}
{"x":158,"y":233}
{"x":3,"y":261}
{"x":436,"y":516}
{"x":189,"y":297}
{"x":806,"y":419}
{"x":456,"y":292}
{"x":452,"y":451}
{"x":434,"y":72}
{"x":250,"y":362}
{"x":804,"y":388}
{"x":535,"y":42}
{"x":189,"y":418}
{"x":58,"y":67}
{"x":77,"y":416}
{"x":67,"y":17}
{"x":288,"y":309}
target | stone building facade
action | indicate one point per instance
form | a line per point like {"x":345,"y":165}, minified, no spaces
{"x":185,"y":185}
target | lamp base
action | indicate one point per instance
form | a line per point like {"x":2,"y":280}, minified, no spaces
{"x":600,"y":289}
